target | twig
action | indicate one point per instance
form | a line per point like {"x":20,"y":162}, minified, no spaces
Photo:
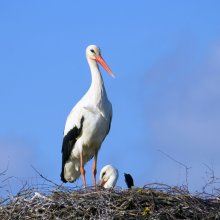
{"x":212,"y":179}
{"x":180,"y":163}
{"x":45,"y":178}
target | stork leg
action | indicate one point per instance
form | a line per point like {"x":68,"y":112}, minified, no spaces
{"x":94,"y":170}
{"x":82,"y":170}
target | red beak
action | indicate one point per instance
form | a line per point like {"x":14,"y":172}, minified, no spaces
{"x":101,"y":61}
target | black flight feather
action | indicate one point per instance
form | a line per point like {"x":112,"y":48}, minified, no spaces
{"x":129,"y":180}
{"x":69,"y":141}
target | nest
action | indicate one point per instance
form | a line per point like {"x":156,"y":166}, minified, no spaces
{"x":150,"y":202}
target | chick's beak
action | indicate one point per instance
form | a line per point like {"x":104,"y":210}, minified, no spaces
{"x":102,"y":182}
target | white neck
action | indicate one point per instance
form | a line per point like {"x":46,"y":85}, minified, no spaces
{"x":97,"y":88}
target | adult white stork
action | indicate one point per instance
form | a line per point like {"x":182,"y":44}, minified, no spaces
{"x":87,"y":124}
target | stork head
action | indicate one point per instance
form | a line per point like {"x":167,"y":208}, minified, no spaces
{"x":108,"y":176}
{"x":94,"y":53}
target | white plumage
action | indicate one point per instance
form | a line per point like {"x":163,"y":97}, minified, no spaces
{"x":87,"y":124}
{"x":108,"y":176}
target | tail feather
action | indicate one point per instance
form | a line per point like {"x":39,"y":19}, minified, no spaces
{"x":67,"y":147}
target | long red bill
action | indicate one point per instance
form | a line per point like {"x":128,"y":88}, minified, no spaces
{"x":104,"y":65}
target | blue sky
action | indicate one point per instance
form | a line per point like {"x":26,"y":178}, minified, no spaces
{"x":165,"y":97}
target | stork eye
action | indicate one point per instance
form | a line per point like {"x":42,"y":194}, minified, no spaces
{"x":103,"y":174}
{"x":92,"y":51}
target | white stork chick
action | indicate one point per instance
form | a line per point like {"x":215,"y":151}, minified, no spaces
{"x":108,"y":176}
{"x":87,"y":124}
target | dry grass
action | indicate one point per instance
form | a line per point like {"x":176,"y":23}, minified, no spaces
{"x":154,"y":201}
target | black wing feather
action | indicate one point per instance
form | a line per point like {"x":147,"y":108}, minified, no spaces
{"x":129,"y":180}
{"x":69,"y":141}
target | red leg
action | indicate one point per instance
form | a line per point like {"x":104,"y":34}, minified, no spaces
{"x":94,"y":170}
{"x":82,"y":170}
